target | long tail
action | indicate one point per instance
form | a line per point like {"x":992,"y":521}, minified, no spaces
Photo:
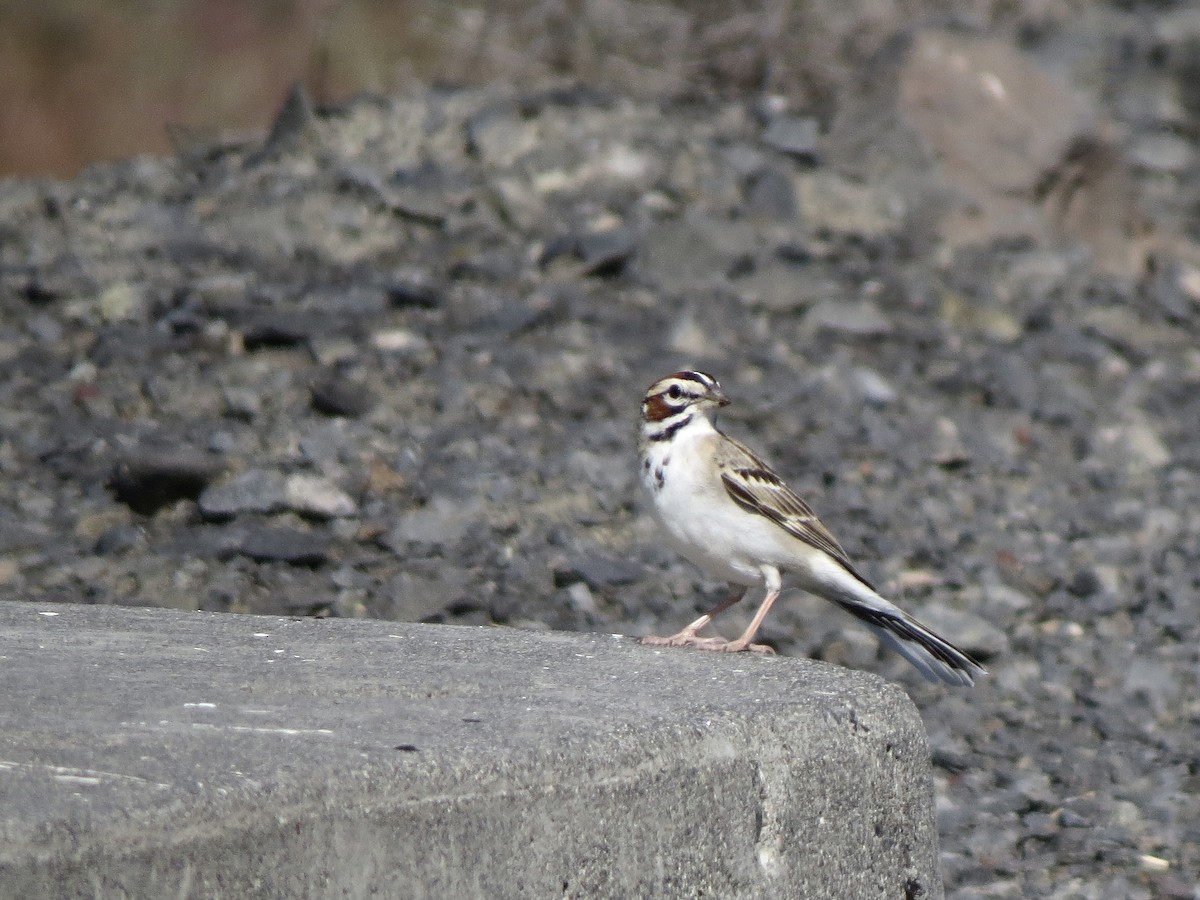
{"x":930,"y":653}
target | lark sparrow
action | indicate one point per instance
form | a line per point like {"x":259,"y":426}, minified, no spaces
{"x":724,"y":509}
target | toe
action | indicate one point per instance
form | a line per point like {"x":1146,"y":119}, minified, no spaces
{"x":740,"y":646}
{"x":685,"y":639}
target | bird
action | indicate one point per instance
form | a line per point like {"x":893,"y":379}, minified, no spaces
{"x":730,"y":514}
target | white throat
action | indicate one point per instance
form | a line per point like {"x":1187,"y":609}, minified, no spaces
{"x":662,"y":441}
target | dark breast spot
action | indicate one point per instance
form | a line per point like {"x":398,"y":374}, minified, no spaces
{"x":660,"y":477}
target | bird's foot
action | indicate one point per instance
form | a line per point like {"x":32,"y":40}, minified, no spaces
{"x":740,"y":646}
{"x":687,"y":639}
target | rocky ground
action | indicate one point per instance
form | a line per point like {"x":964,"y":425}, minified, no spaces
{"x":387,"y":362}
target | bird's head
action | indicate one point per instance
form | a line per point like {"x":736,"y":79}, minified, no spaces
{"x":682,"y":392}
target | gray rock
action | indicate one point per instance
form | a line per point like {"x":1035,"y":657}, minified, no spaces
{"x":598,"y":570}
{"x":318,"y":498}
{"x":440,"y":522}
{"x":779,"y":288}
{"x":295,"y":121}
{"x":336,"y":396}
{"x":606,"y":252}
{"x":769,"y":193}
{"x":872,"y":386}
{"x":119,"y":539}
{"x":794,"y":135}
{"x":499,"y":136}
{"x":44,"y":329}
{"x":414,"y":596}
{"x":286,"y":545}
{"x":1150,"y":680}
{"x":831,"y":203}
{"x":260,"y":491}
{"x":1163,"y":152}
{"x":281,"y":329}
{"x":948,"y":449}
{"x":242,"y":403}
{"x":858,"y":318}
{"x":413,"y":288}
{"x":980,"y":637}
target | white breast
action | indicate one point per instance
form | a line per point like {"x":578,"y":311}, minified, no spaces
{"x":701,"y":521}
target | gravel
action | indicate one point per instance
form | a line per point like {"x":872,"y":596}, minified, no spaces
{"x":388,"y":362}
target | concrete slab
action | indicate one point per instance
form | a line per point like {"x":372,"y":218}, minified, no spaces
{"x":153,"y":753}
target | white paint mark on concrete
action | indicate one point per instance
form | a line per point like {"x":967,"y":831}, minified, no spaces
{"x":259,"y":729}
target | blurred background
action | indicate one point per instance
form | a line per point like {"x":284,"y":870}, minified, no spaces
{"x":85,"y":80}
{"x":82,"y":80}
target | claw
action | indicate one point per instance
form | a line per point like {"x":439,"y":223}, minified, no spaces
{"x":720,"y":645}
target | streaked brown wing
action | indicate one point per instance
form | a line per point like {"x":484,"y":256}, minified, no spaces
{"x":752,"y":485}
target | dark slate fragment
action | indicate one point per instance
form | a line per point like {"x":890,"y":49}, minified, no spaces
{"x":278,"y":329}
{"x":365,"y":180}
{"x":147,"y":480}
{"x":295,"y":119}
{"x":477,"y":125}
{"x":205,"y":542}
{"x":572,"y":96}
{"x":413,"y":289}
{"x":488,"y":265}
{"x":769,"y":193}
{"x":597,"y":570}
{"x":602,"y":253}
{"x":513,"y":318}
{"x":184,"y":321}
{"x":420,"y":206}
{"x":347,"y":302}
{"x":1084,"y":583}
{"x":333,"y":395}
{"x":118,"y":539}
{"x":287,"y":545}
{"x":38,"y":293}
{"x":1071,"y":819}
{"x":45,"y":329}
{"x":556,"y":247}
{"x":794,"y":135}
{"x":795,"y":253}
{"x":606,"y":253}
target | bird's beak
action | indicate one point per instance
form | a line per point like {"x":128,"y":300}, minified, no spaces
{"x":718,"y":396}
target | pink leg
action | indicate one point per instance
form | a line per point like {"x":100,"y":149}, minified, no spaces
{"x":689,"y":638}
{"x":743,"y":643}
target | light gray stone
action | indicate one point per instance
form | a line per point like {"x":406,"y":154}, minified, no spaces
{"x":311,"y":495}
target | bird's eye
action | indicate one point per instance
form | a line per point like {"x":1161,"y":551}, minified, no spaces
{"x":674,"y":392}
